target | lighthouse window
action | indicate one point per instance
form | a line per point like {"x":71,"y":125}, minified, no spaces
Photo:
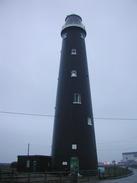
{"x":64,"y":35}
{"x":77,"y":98}
{"x":74,"y":146}
{"x":73,"y":73}
{"x":73,"y":52}
{"x":82,"y":36}
{"x":64,"y":163}
{"x":89,"y":121}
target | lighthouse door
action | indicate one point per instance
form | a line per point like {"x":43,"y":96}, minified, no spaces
{"x":74,"y":164}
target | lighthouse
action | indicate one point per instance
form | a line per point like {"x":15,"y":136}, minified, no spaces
{"x":73,"y":142}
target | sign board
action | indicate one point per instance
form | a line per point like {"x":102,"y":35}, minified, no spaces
{"x":28,"y":164}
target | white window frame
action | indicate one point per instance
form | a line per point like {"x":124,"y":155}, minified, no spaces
{"x":82,"y":36}
{"x":73,"y":73}
{"x":64,"y":163}
{"x":64,"y":35}
{"x":74,"y":146}
{"x":73,"y":51}
{"x":77,"y":98}
{"x":89,"y":120}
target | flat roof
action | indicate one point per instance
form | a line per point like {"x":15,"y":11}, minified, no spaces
{"x":35,"y":156}
{"x":127,"y":153}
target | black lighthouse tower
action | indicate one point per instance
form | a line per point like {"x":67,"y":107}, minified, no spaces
{"x":73,"y":135}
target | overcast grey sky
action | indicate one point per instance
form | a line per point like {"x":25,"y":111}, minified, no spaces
{"x":30,"y":45}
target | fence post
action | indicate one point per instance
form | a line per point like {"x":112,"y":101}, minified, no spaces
{"x":12,"y":176}
{"x":28,"y":177}
{"x":0,"y":174}
{"x":60,"y":178}
{"x":75,"y":177}
{"x":45,"y":178}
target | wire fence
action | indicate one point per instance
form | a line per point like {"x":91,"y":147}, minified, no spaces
{"x":54,"y":177}
{"x":63,"y":177}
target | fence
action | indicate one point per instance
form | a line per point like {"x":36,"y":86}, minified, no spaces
{"x":54,"y":177}
{"x":112,"y":172}
{"x":62,"y":177}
